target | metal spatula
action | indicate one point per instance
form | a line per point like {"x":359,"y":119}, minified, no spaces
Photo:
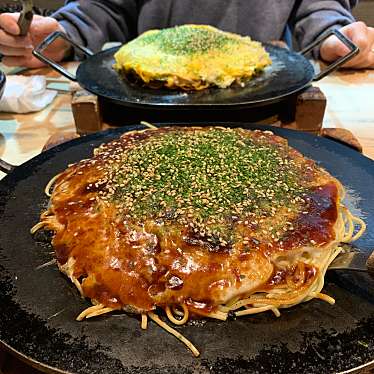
{"x":26,"y":16}
{"x":354,"y":259}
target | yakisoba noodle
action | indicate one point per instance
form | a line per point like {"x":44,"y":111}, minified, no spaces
{"x":197,"y":222}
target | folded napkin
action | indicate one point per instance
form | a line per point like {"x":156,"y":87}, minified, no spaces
{"x":25,"y":94}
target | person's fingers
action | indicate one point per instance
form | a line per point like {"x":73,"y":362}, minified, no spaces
{"x":13,"y":61}
{"x":371,"y":34}
{"x":332,"y":49}
{"x":39,"y":25}
{"x":12,"y":41}
{"x":43,"y":25}
{"x":370,"y":49}
{"x":28,"y":61}
{"x":39,"y":29}
{"x":8,"y":22}
{"x":17,"y":49}
{"x":361,"y":35}
{"x":371,"y":46}
{"x":358,"y":33}
{"x":10,"y":51}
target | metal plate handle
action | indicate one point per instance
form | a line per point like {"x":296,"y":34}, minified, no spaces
{"x":38,"y":53}
{"x":354,"y":50}
{"x":5,"y":167}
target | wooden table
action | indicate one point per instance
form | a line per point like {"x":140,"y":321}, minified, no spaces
{"x":22,"y":136}
{"x":350,"y":105}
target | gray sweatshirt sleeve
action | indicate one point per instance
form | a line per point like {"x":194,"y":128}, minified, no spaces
{"x":92,"y":23}
{"x":312,"y":18}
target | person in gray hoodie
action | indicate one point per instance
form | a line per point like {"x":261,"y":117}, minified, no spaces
{"x":91,"y":23}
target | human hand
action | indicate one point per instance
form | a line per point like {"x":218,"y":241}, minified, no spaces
{"x":17,"y":50}
{"x":361,"y":35}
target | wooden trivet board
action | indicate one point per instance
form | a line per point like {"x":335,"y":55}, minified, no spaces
{"x":301,"y":112}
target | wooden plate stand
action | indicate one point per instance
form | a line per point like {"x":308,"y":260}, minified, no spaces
{"x":304,"y":112}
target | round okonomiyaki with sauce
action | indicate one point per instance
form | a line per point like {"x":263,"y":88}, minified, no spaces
{"x":187,"y":222}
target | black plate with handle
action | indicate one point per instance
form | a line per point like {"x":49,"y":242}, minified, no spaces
{"x":39,"y":305}
{"x":289,"y":73}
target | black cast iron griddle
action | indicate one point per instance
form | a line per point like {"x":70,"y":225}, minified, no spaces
{"x":289,"y":73}
{"x":38,"y":306}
